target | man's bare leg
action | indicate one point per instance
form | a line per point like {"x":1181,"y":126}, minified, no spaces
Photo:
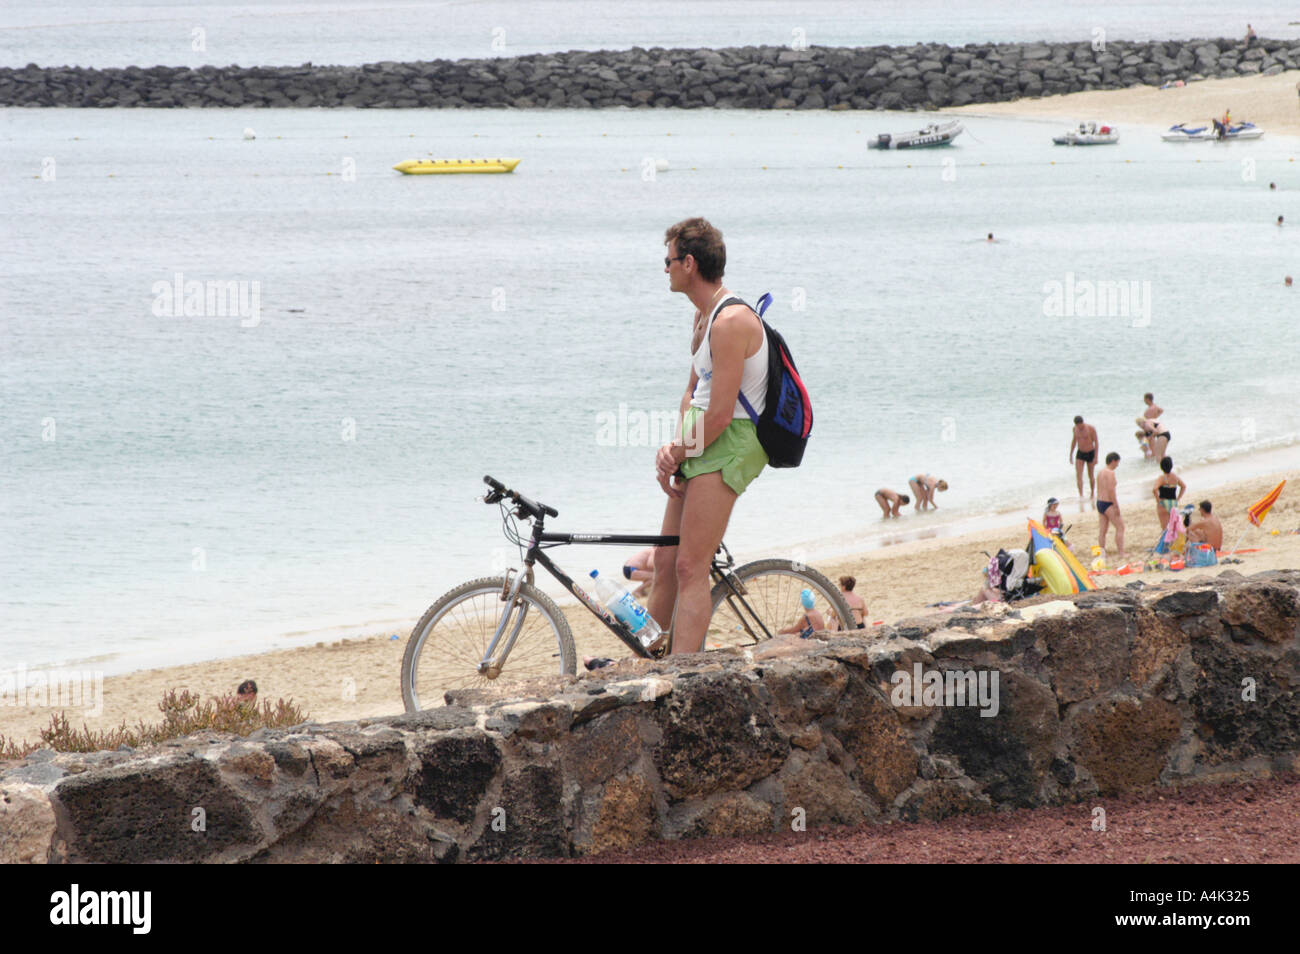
{"x":1103,"y":524}
{"x":706,"y":508}
{"x":1118,"y":521}
{"x":1092,"y":481}
{"x":664,"y":594}
{"x":1078,"y":474}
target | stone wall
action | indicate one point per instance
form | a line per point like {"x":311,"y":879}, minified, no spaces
{"x":1131,"y":688}
{"x":922,"y":76}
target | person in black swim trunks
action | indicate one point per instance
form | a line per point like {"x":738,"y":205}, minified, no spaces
{"x":1108,"y":506}
{"x":1085,"y":439}
{"x":1168,"y":490}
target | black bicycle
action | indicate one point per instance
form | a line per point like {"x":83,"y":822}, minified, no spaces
{"x":504,"y":627}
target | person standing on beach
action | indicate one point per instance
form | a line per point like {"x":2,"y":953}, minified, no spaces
{"x":1108,"y":505}
{"x":1085,"y":439}
{"x":717,"y":452}
{"x":924,"y":486}
{"x":890,"y":501}
{"x":1153,"y":410}
{"x":1168,"y":490}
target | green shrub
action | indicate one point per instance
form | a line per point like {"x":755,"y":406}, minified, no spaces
{"x":183,"y":713}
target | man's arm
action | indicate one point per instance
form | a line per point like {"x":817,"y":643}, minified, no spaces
{"x":792,"y":628}
{"x":1074,"y":440}
{"x":686,"y":398}
{"x":729,"y":337}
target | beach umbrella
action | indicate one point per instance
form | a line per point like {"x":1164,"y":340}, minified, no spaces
{"x":1258,"y":511}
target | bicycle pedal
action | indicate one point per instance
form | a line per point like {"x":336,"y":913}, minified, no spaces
{"x":659,"y":648}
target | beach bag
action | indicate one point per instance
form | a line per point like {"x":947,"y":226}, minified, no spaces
{"x":1201,"y":554}
{"x":787,"y":418}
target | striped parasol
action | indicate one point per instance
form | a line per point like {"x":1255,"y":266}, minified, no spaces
{"x":1260,"y":508}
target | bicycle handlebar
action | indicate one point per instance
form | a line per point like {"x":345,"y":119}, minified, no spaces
{"x":533,"y":507}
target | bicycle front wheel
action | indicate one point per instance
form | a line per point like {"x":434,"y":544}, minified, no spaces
{"x":446,"y":648}
{"x":760,"y":598}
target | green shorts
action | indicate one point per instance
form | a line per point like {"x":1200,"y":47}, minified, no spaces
{"x":736,"y":452}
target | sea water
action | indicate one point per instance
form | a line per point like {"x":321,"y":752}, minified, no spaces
{"x":179,"y":486}
{"x":98,"y":33}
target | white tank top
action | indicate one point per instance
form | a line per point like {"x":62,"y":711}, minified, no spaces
{"x":753,"y":379}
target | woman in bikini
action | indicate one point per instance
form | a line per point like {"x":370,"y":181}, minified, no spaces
{"x":1168,"y":490}
{"x":859,"y":608}
{"x":890,"y":501}
{"x":924,"y":486}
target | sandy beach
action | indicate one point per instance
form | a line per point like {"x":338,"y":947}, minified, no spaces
{"x":1268,"y":101}
{"x":359,"y":678}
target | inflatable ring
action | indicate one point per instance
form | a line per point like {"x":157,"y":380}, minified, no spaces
{"x":1051,"y":568}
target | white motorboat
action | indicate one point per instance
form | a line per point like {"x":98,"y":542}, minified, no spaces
{"x":935,"y":134}
{"x":1090,"y":133}
{"x":1214,"y":131}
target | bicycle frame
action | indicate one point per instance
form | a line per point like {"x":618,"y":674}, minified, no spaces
{"x":541,"y":540}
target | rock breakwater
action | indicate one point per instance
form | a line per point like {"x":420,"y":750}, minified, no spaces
{"x":924,"y":76}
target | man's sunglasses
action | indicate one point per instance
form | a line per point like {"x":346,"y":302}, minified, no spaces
{"x":668,"y":261}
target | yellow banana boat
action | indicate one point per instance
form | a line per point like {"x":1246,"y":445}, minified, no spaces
{"x":429,"y":167}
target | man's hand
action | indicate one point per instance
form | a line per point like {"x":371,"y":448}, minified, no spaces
{"x":667,"y":460}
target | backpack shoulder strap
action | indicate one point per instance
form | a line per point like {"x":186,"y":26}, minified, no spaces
{"x":762,"y":304}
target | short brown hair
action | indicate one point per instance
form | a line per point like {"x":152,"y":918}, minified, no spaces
{"x":848,"y":582}
{"x":700,"y":240}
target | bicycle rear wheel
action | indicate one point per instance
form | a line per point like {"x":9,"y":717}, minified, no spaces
{"x":769,"y":600}
{"x":446,"y":648}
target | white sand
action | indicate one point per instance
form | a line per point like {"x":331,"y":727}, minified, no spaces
{"x":1268,"y":101}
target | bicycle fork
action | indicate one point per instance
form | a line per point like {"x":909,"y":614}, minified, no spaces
{"x":492,"y":662}
{"x":737,"y":596}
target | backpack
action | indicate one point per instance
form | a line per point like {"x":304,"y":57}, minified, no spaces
{"x":787,"y":417}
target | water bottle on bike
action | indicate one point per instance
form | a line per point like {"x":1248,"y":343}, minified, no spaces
{"x":624,"y":606}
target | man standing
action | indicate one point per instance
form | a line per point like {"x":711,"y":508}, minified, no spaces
{"x":1153,"y":410}
{"x":1085,"y":439}
{"x":1108,"y":505}
{"x":717,"y":453}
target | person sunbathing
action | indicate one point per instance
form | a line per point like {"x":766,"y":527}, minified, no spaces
{"x":809,"y":622}
{"x":1206,"y":528}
